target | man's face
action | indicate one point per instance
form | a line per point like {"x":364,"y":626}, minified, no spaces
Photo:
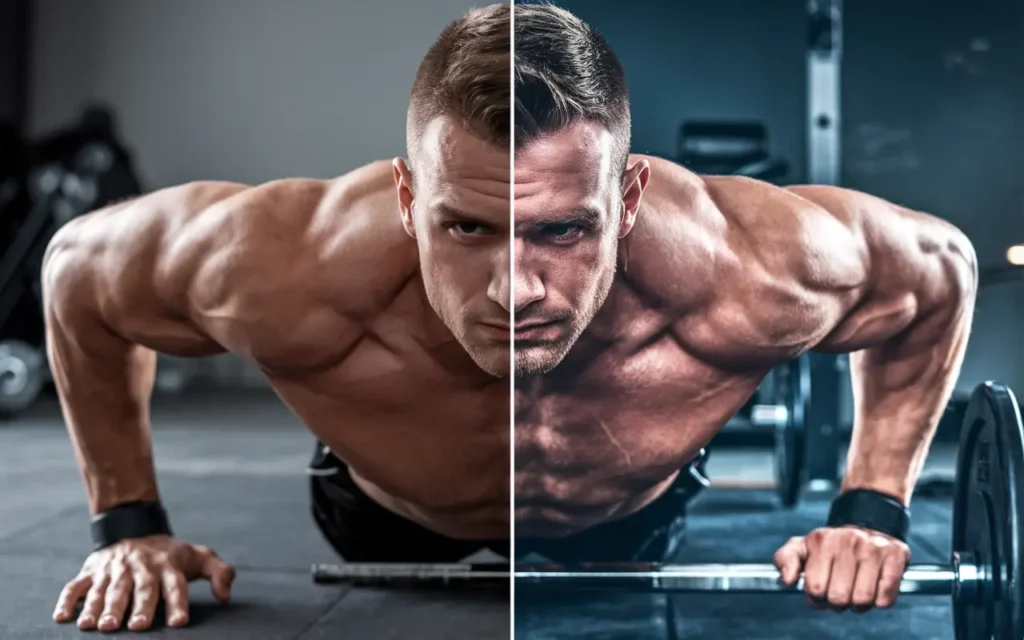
{"x":458,"y":212}
{"x":571,"y":208}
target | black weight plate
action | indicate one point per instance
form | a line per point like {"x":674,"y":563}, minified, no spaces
{"x":790,"y":462}
{"x":792,"y":389}
{"x":988,"y":508}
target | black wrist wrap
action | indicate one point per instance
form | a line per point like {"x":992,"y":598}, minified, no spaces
{"x":871,"y":510}
{"x":129,"y":520}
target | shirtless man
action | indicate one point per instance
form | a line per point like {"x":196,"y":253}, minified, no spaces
{"x":650,"y":302}
{"x":377,"y":305}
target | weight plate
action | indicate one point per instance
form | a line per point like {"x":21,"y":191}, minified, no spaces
{"x":790,"y":462}
{"x":21,"y":376}
{"x":988,"y":514}
{"x":793,"y":390}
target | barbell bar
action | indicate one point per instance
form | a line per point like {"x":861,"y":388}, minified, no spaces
{"x":922,"y":579}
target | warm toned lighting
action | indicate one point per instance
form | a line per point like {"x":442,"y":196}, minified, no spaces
{"x":1015,"y":254}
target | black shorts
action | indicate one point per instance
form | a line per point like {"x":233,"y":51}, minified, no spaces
{"x":361,"y":530}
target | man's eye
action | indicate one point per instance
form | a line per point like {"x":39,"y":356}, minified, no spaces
{"x":562,"y":231}
{"x":469,"y":228}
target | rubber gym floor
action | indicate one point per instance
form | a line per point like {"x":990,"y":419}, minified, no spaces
{"x":232,"y":472}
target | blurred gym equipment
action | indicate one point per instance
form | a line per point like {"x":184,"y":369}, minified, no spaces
{"x":66,"y":174}
{"x":728,"y":148}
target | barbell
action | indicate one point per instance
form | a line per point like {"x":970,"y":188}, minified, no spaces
{"x":983,"y":577}
{"x":921,"y":579}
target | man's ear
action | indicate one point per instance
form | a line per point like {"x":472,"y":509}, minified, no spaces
{"x":403,"y":187}
{"x":634,"y":183}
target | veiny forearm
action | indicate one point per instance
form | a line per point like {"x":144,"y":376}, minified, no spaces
{"x":901,"y":388}
{"x":117,"y":289}
{"x":104,"y":387}
{"x":103,"y":380}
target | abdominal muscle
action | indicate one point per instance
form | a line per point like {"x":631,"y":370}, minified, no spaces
{"x":582,"y":475}
{"x":615,"y":439}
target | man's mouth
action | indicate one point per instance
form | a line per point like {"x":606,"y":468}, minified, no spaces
{"x":536,"y":329}
{"x":497,"y":330}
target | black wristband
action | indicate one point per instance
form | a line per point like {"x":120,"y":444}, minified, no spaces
{"x":871,"y":510}
{"x":129,"y":520}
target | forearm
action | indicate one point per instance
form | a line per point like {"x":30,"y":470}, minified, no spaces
{"x":111,"y":284}
{"x":901,"y":389}
{"x":104,"y":385}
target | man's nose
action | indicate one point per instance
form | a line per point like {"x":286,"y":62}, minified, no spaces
{"x":528,"y":285}
{"x":499,"y":289}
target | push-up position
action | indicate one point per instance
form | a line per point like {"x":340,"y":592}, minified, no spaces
{"x":650,"y":302}
{"x":381,"y":321}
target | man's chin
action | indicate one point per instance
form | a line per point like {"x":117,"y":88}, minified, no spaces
{"x":537,"y":360}
{"x":493,"y":370}
{"x":491,"y":363}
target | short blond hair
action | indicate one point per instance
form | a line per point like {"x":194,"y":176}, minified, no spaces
{"x":467,"y":74}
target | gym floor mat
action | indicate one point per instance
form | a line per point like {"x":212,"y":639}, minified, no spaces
{"x":232,"y":474}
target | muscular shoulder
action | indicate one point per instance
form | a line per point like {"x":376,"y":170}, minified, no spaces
{"x":120,"y":262}
{"x":886,"y":229}
{"x":741,"y":264}
{"x":789,"y":266}
{"x":719,"y":229}
{"x":242,"y":263}
{"x":917,"y":266}
{"x":305,"y":258}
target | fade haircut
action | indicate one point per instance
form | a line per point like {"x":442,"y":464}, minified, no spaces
{"x":466,"y":75}
{"x":565,"y":73}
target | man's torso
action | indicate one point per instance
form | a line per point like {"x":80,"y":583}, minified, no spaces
{"x":694,"y":320}
{"x":422,"y":429}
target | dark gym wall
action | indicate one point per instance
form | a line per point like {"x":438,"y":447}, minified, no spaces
{"x":708,"y":59}
{"x":13,"y":61}
{"x":931,"y":111}
{"x":932,"y":118}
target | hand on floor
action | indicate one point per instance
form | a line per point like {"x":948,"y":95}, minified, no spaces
{"x":142,"y":571}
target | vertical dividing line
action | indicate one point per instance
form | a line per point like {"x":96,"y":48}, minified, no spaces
{"x":512,"y":319}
